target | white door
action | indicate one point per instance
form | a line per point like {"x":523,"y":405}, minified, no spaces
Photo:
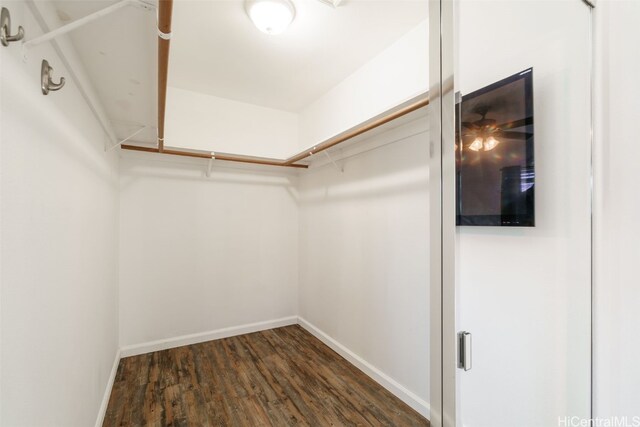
{"x":523,"y":249}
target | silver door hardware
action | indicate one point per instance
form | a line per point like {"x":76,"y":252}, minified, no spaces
{"x":5,"y":29}
{"x":464,"y":350}
{"x":46,"y":83}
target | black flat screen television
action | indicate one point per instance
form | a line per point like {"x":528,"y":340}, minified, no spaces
{"x":495,"y":173}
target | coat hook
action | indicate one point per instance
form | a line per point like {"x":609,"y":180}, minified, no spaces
{"x":5,"y":29}
{"x":47,"y":84}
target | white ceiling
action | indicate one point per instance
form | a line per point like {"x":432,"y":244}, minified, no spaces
{"x":119,"y":53}
{"x":215,"y":49}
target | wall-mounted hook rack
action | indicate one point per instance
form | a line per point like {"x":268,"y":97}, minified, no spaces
{"x":47,"y":83}
{"x":5,"y":29}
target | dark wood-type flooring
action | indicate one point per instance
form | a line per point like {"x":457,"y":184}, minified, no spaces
{"x":279,"y":377}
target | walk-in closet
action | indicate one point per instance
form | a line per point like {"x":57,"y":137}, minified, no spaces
{"x":318,"y":213}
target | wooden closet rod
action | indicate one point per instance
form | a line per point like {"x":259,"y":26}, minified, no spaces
{"x":213,"y":156}
{"x":422,"y":102}
{"x":165,"y":9}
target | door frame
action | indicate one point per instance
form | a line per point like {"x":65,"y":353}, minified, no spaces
{"x":442,"y":214}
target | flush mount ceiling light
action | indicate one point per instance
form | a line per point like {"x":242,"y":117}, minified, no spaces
{"x":270,"y":16}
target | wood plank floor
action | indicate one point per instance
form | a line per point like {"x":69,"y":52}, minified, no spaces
{"x":279,"y":377}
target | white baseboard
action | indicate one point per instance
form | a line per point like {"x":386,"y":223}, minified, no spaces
{"x":148,"y":347}
{"x":107,"y":392}
{"x":407,"y":396}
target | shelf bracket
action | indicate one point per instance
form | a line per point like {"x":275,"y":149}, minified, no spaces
{"x":111,"y":147}
{"x":335,"y":165}
{"x":210,"y":165}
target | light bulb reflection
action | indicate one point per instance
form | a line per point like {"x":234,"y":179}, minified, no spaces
{"x":476,"y":145}
{"x":490,"y":143}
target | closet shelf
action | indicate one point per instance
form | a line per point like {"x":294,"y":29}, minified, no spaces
{"x":164,"y":37}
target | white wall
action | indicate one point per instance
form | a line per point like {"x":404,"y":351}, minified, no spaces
{"x":617,"y":293}
{"x":59,"y":246}
{"x":199,"y":254}
{"x":364,"y":257}
{"x":397,"y":74}
{"x":524,"y":293}
{"x":200,"y":121}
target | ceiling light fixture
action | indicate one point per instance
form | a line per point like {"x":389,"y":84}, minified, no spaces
{"x":270,"y":16}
